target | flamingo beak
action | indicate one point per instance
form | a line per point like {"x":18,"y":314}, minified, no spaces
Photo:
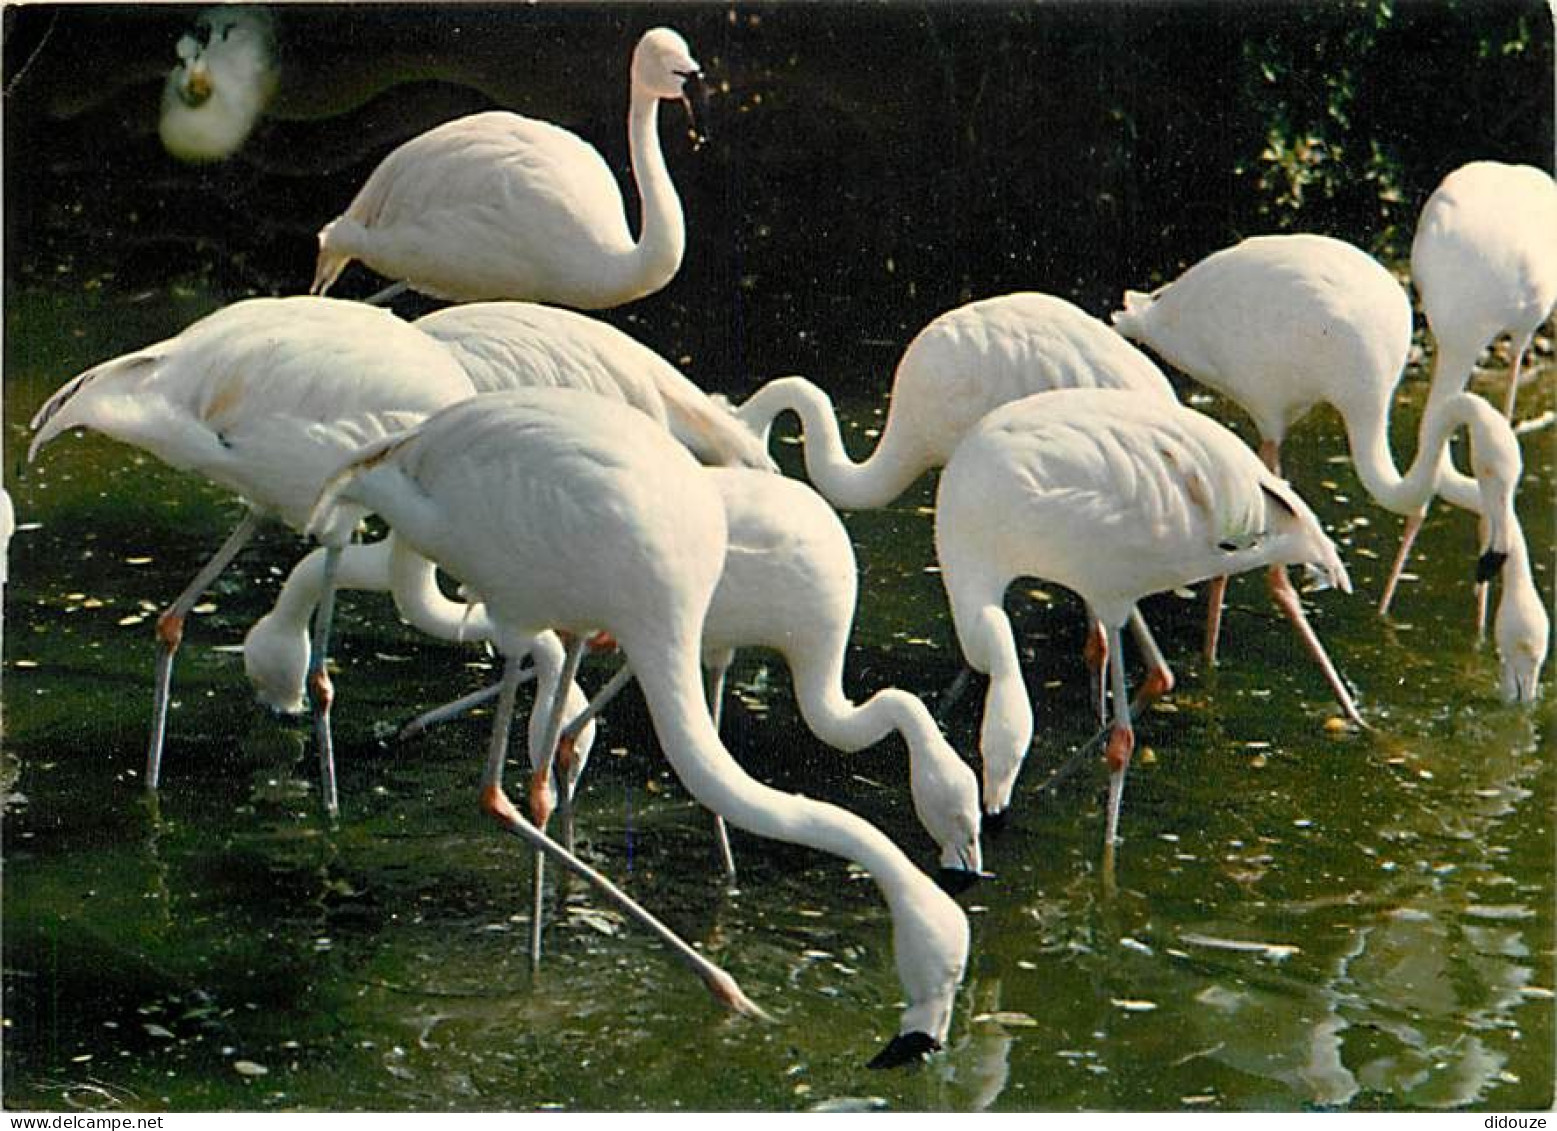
{"x":196,"y":88}
{"x":994,"y":823}
{"x":694,"y":96}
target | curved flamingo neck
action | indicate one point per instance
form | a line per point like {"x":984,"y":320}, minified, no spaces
{"x":890,"y":470}
{"x":413,"y":581}
{"x":1368,"y":434}
{"x":672,"y":687}
{"x":656,"y":256}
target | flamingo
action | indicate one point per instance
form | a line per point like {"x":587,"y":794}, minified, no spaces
{"x":965,"y":363}
{"x":1279,"y":324}
{"x":265,"y":398}
{"x":516,"y":494}
{"x":503,"y":345}
{"x":225,"y":77}
{"x":1114,"y":497}
{"x":498,"y":206}
{"x":790,"y":583}
{"x":1484,"y":261}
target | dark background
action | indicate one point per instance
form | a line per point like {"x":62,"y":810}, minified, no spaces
{"x":872,"y":165}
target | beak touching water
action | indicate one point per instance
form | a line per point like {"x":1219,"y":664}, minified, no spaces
{"x":694,"y":96}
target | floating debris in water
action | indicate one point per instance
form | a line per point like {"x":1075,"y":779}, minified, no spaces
{"x":249,"y":1068}
{"x":1011,"y":1018}
{"x":850,"y":1103}
{"x":1135,"y":944}
{"x":138,"y":561}
{"x":1276,"y":951}
{"x":1132,"y":1005}
{"x":162,"y":1033}
{"x":24,"y":663}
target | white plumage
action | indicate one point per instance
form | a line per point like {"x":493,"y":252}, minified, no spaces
{"x":1114,"y":497}
{"x":225,"y":77}
{"x":565,"y":513}
{"x":498,"y":206}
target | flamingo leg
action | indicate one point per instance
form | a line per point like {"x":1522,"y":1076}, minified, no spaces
{"x":1095,"y":653}
{"x":1159,"y":676}
{"x":1216,"y":595}
{"x":1483,"y":588}
{"x":1286,"y":598}
{"x":388,"y":294}
{"x":714,"y":683}
{"x":170,"y":633}
{"x":1408,"y":535}
{"x":541,"y":791}
{"x":1121,"y":740}
{"x":495,"y":803}
{"x":948,"y":698}
{"x":1513,"y":377}
{"x":321,"y":692}
{"x":460,"y":706}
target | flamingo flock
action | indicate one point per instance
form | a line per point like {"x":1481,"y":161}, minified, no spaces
{"x":585,"y":493}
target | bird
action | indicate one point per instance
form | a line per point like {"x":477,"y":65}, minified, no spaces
{"x":965,"y":363}
{"x":226,"y":75}
{"x":790,"y":583}
{"x":499,"y":206}
{"x":1279,"y":324}
{"x":264,"y":397}
{"x":563,"y":512}
{"x":1484,"y":262}
{"x":1114,"y":497}
{"x":503,"y":345}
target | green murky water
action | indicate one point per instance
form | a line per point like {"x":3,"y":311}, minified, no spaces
{"x":1302,"y":920}
{"x":229,"y":948}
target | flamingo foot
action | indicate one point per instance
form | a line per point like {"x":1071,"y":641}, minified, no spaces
{"x":1158,"y":682}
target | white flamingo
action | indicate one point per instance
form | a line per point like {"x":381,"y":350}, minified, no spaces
{"x":1279,"y":324}
{"x":264,"y":397}
{"x":516,"y":494}
{"x":790,"y":583}
{"x":505,"y":345}
{"x":498,"y":206}
{"x":1114,"y":497}
{"x":1484,"y":262}
{"x":965,"y":363}
{"x":225,"y":77}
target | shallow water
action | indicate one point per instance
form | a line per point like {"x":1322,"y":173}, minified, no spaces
{"x":1303,"y":918}
{"x":228,"y":947}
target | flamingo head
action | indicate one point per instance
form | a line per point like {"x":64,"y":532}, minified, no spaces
{"x":1004,"y":736}
{"x":275,"y":657}
{"x":225,"y":76}
{"x":663,"y":67}
{"x":1521,"y":631}
{"x":930,"y":942}
{"x":946,"y":798}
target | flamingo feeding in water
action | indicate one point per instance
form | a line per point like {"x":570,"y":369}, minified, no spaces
{"x":265,"y":398}
{"x":1279,"y":324}
{"x":498,"y":206}
{"x":518,"y":494}
{"x":1484,"y":261}
{"x":1114,"y":497}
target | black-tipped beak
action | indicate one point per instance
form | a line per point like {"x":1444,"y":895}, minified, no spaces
{"x":993,"y":824}
{"x":955,"y":881}
{"x":905,"y":1048}
{"x":1488,"y":565}
{"x":694,"y":96}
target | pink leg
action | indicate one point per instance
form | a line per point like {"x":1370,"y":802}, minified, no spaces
{"x":1286,"y":598}
{"x":1407,"y":539}
{"x":1216,"y":593}
{"x":1095,"y":653}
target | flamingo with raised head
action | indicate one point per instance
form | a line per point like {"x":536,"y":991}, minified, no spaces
{"x":499,"y":206}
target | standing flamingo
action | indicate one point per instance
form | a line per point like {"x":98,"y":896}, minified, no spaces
{"x":1279,"y":324}
{"x":1484,"y":261}
{"x":498,"y":206}
{"x":1114,"y":497}
{"x":264,"y":397}
{"x":517,"y":494}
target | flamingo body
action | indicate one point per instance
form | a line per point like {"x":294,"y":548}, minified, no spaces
{"x":506,"y":345}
